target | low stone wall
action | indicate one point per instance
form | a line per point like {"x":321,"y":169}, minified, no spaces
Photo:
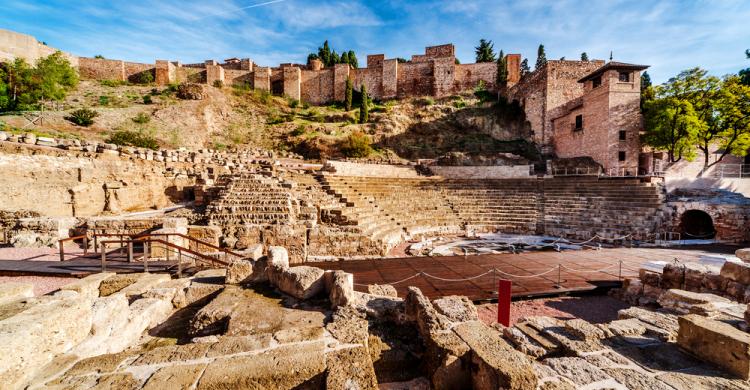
{"x":345,"y":168}
{"x":482,"y":172}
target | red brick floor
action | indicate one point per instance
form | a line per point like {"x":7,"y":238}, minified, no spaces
{"x":578,"y":270}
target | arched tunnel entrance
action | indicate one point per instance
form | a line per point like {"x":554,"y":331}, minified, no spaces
{"x":697,"y":224}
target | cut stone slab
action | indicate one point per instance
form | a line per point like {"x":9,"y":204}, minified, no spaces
{"x":15,"y":291}
{"x":584,"y":330}
{"x":173,"y":353}
{"x":278,"y":257}
{"x":88,"y":286}
{"x":350,"y":368}
{"x":348,"y":327}
{"x":342,"y":288}
{"x":194,"y":293}
{"x":385,"y":290}
{"x":683,"y":301}
{"x":229,"y":345}
{"x":240,"y":272}
{"x":143,"y":284}
{"x":117,"y":282}
{"x":717,"y":343}
{"x":301,"y":282}
{"x":286,"y":367}
{"x":456,"y":308}
{"x":254,"y":252}
{"x":214,"y":317}
{"x":109,"y":315}
{"x":523,"y":343}
{"x":178,"y":377}
{"x":581,"y":372}
{"x":666,"y":322}
{"x":701,"y":378}
{"x":737,"y":272}
{"x":499,"y":366}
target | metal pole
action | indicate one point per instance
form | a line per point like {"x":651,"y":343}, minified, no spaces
{"x":85,"y":245}
{"x":130,"y":251}
{"x":179,"y":263}
{"x":104,"y":257}
{"x":145,"y":256}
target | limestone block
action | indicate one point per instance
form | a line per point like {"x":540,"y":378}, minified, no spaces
{"x":46,"y":141}
{"x":717,"y":343}
{"x":88,"y":286}
{"x":380,"y":308}
{"x":212,"y":318}
{"x":33,"y":337}
{"x":144,"y":283}
{"x":743,"y":254}
{"x":683,"y":301}
{"x":301,"y":282}
{"x":523,"y":343}
{"x":694,"y":275}
{"x":144,"y":314}
{"x":419,"y":309}
{"x":350,"y":368}
{"x":385,"y":290}
{"x":582,"y":373}
{"x":175,"y":377}
{"x":254,"y":252}
{"x":240,"y":272}
{"x":29,"y":138}
{"x":456,"y":308}
{"x":498,"y":365}
{"x":109,"y":315}
{"x":673,"y":276}
{"x":3,"y":136}
{"x":737,"y":272}
{"x":194,"y":293}
{"x":278,"y":257}
{"x":116,"y":283}
{"x":15,"y":291}
{"x":342,"y":289}
{"x":584,"y":330}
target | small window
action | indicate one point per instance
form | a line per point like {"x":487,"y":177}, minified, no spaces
{"x":596,"y":82}
{"x":624,"y":77}
{"x":621,"y":156}
{"x":579,"y":122}
{"x":623,"y":135}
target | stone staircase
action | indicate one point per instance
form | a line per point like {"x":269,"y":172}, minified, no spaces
{"x":253,"y":199}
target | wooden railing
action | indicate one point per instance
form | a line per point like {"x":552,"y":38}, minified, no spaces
{"x":61,"y":245}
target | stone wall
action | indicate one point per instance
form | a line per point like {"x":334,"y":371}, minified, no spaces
{"x":101,"y":69}
{"x":345,"y":168}
{"x":16,"y":45}
{"x":481,"y":172}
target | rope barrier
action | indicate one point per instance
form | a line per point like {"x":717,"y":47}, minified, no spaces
{"x":525,"y":276}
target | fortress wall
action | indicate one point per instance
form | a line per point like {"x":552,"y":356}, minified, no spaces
{"x":133,"y":70}
{"x":415,"y":79}
{"x":190,"y":74}
{"x":237,"y":76}
{"x":16,"y":45}
{"x":372,"y":78}
{"x":441,"y":51}
{"x":469,"y":75}
{"x":317,"y":86}
{"x":101,"y":69}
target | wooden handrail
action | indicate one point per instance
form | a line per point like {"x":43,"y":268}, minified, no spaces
{"x":197,"y":255}
{"x":61,"y":245}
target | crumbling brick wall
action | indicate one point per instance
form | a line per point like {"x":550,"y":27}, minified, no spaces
{"x":317,"y":87}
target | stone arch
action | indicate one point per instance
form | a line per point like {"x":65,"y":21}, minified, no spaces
{"x":697,"y":224}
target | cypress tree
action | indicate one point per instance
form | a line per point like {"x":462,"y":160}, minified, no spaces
{"x":344,"y":58}
{"x":541,"y":57}
{"x":353,"y":59}
{"x":364,"y":108}
{"x":584,"y":56}
{"x":349,"y":93}
{"x":525,"y":67}
{"x":502,"y":71}
{"x":485,"y":51}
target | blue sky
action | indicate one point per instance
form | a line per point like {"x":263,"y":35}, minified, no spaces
{"x":668,"y":35}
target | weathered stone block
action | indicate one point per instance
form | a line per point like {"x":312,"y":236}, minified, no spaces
{"x":88,"y":286}
{"x":385,"y":290}
{"x":456,"y":308}
{"x":301,"y":282}
{"x":342,"y":289}
{"x":673,"y":276}
{"x":15,"y":291}
{"x":743,"y":254}
{"x":239,"y":272}
{"x":737,"y":272}
{"x":350,"y":368}
{"x":717,"y":343}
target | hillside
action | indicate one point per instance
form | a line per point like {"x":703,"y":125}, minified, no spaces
{"x":233,"y":117}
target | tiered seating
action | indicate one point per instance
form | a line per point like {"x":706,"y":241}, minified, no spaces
{"x":390,"y":209}
{"x":252,"y":199}
{"x":508,"y":205}
{"x":582,"y":207}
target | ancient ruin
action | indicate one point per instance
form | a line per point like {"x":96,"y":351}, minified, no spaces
{"x":243,"y":267}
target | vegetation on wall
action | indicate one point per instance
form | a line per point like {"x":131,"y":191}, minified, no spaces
{"x":23,"y":87}
{"x":329,"y":57}
{"x":584,"y":56}
{"x":694,"y":112}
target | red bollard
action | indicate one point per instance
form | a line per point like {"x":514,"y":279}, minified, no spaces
{"x":503,"y":302}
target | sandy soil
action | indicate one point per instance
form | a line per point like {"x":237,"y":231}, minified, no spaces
{"x":42,"y":284}
{"x":595,"y":309}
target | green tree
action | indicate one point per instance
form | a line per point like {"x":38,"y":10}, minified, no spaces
{"x":23,"y":86}
{"x":485,"y":51}
{"x":349,"y":93}
{"x":584,"y":56}
{"x":525,"y":67}
{"x":324,"y":53}
{"x":647,"y":90}
{"x":364,"y":107}
{"x":99,"y":57}
{"x":502,"y":71}
{"x":541,"y":57}
{"x":353,"y":59}
{"x":345,"y":57}
{"x":745,"y":73}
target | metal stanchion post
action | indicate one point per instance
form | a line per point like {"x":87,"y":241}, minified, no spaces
{"x":130,"y":251}
{"x":179,"y":263}
{"x":559,"y":276}
{"x":104,"y":257}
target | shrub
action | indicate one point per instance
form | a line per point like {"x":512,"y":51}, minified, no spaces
{"x":113,"y":83}
{"x":147,"y":99}
{"x":356,"y":144}
{"x":459,"y":103}
{"x":218,"y":84}
{"x":482,"y":93}
{"x":364,"y":107}
{"x":132,"y":138}
{"x":142,"y":118}
{"x":264,"y":97}
{"x":103,"y":100}
{"x":145,"y":77}
{"x":82,"y":117}
{"x":428,"y":101}
{"x":293,"y":103}
{"x":298,"y":131}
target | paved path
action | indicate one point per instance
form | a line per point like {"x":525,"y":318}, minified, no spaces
{"x":578,"y":270}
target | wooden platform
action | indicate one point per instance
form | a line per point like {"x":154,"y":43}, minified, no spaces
{"x":582,"y":270}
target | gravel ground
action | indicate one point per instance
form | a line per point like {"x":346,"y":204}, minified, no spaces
{"x":594,"y":309}
{"x":42,"y":284}
{"x":37,"y":254}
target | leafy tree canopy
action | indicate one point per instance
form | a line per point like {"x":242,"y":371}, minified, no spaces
{"x":329,"y":57}
{"x":485,"y":51}
{"x":23,"y":86}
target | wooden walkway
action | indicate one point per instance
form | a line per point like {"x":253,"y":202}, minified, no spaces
{"x":582,"y":270}
{"x":80,"y":266}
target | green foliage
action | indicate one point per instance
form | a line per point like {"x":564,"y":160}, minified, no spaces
{"x":459,"y":103}
{"x":485,"y":52}
{"x":541,"y":57}
{"x":349,"y":92}
{"x":23,"y":86}
{"x":427,"y":101}
{"x":356,"y":145}
{"x":133,"y":138}
{"x":401,"y":60}
{"x":264,"y":97}
{"x":364,"y":107}
{"x":481,"y":92}
{"x":147,"y":99}
{"x":293,"y":103}
{"x":142,"y":118}
{"x":218,"y":84}
{"x":584,"y":56}
{"x":329,"y":57}
{"x":103,"y":100}
{"x":82,"y":117}
{"x":647,"y":90}
{"x":525,"y":67}
{"x":145,"y":77}
{"x":298,"y":131}
{"x":745,"y":73}
{"x":99,"y":57}
{"x":502,"y":71}
{"x":113,"y":83}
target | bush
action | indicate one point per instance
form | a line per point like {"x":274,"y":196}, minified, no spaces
{"x":293,"y":103}
{"x":356,"y":145}
{"x":142,"y":118}
{"x":83,"y":117}
{"x":103,"y":100}
{"x":145,"y":77}
{"x":132,"y":138}
{"x":298,"y":131}
{"x":482,"y":93}
{"x":459,"y":103}
{"x":428,"y":101}
{"x":147,"y":99}
{"x":113,"y":83}
{"x":264,"y":97}
{"x":218,"y":84}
